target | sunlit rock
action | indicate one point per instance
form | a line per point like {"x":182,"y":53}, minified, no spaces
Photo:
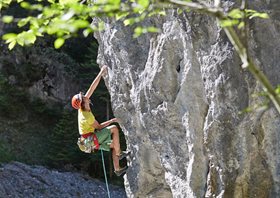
{"x":179,"y":94}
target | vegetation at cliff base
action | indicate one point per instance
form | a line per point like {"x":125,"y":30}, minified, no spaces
{"x":44,"y":132}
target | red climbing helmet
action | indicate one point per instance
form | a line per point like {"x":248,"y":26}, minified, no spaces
{"x":77,"y":101}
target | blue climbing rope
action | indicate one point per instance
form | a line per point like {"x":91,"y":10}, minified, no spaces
{"x":104,"y":169}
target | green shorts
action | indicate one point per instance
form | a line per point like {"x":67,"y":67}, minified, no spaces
{"x":104,"y":138}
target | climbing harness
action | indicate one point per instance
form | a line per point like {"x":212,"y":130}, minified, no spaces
{"x":88,"y":143}
{"x":104,"y":169}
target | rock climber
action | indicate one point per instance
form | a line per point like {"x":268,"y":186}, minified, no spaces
{"x":94,"y":135}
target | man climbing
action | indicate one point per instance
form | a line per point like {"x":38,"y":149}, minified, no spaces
{"x":94,"y":135}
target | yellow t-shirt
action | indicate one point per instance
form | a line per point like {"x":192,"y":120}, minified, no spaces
{"x":85,"y":120}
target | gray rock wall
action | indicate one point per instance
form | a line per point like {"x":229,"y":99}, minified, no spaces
{"x":178,"y":95}
{"x":41,"y":70}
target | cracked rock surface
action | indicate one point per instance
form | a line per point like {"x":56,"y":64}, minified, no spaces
{"x":179,"y":94}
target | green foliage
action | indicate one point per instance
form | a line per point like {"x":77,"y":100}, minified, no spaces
{"x":138,"y":31}
{"x":256,"y":107}
{"x":62,"y":146}
{"x":45,"y":112}
{"x":264,"y":105}
{"x":89,"y":68}
{"x":277,"y":90}
{"x":236,"y":14}
{"x":64,"y":19}
{"x":236,"y":17}
{"x":49,"y":134}
{"x":253,"y":13}
{"x":26,"y":74}
{"x":5,"y":3}
{"x":7,"y":19}
{"x":5,"y":153}
{"x":59,"y":42}
{"x":9,"y":96}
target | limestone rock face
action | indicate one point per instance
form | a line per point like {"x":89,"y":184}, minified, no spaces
{"x":178,"y":95}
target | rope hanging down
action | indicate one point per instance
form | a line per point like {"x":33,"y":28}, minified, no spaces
{"x":105,"y":175}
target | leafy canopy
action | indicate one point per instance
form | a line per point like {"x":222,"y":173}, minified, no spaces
{"x":65,"y":18}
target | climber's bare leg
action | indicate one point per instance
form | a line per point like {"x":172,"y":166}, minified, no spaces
{"x":115,"y":146}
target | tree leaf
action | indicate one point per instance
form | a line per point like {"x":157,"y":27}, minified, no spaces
{"x":25,"y":5}
{"x":30,"y":37}
{"x":68,"y":15}
{"x":59,"y":42}
{"x":249,"y":11}
{"x":114,"y":2}
{"x":26,"y":38}
{"x":23,"y":21}
{"x":39,"y":34}
{"x":137,"y":32}
{"x":67,"y":2}
{"x":121,"y":15}
{"x":277,"y":90}
{"x":236,"y":14}
{"x":7,"y":19}
{"x":152,"y":29}
{"x":253,"y":13}
{"x":129,"y":21}
{"x":260,"y":15}
{"x":12,"y":44}
{"x":9,"y":36}
{"x":80,"y":23}
{"x":180,"y":11}
{"x":241,"y":25}
{"x":143,"y":3}
{"x":6,"y":2}
{"x":229,"y":22}
{"x":87,"y":31}
{"x":20,"y":40}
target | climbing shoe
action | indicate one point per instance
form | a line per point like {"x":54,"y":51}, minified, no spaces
{"x":121,"y":171}
{"x":123,"y":154}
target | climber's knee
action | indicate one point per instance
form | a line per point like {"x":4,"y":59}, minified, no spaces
{"x":114,"y":129}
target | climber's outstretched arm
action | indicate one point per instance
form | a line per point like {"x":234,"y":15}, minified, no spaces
{"x":96,"y":81}
{"x":98,"y":126}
